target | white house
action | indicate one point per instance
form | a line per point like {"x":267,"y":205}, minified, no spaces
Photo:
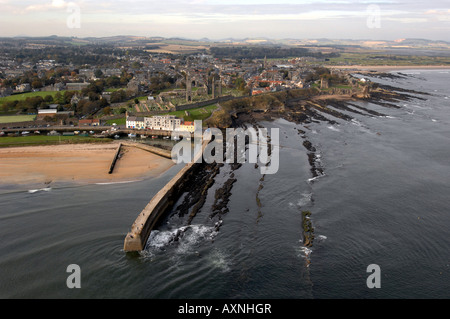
{"x":135,"y":122}
{"x":163,"y":122}
{"x":26,"y":87}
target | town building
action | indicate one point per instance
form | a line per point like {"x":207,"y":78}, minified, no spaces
{"x":26,"y":87}
{"x":163,"y":122}
{"x":76,"y":86}
{"x":135,"y":122}
{"x":187,"y":127}
{"x":47,"y":112}
{"x":6,"y":92}
{"x":90,"y":122}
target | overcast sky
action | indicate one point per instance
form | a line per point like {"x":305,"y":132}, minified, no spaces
{"x":218,"y":19}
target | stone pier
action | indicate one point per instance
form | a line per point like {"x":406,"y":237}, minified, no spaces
{"x":137,"y":238}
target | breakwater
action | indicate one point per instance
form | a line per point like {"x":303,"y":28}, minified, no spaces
{"x":137,"y":238}
{"x":151,"y":149}
{"x":116,"y":157}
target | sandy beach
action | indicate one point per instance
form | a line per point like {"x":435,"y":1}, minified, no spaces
{"x":80,"y":163}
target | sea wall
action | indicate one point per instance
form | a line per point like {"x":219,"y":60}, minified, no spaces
{"x":204,"y":103}
{"x":151,"y":149}
{"x":137,"y":238}
{"x":116,"y":157}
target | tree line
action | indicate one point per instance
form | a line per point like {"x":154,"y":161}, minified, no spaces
{"x":260,"y":52}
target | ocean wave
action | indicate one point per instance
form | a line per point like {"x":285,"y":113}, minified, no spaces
{"x":123,"y":182}
{"x":310,"y":180}
{"x":185,"y":237}
{"x":304,"y":252}
{"x":356,"y":122}
{"x":220,"y":260}
{"x":46,"y":189}
{"x":305,"y":199}
{"x":333,"y":128}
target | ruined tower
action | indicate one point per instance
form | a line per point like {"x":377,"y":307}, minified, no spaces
{"x":188,"y":88}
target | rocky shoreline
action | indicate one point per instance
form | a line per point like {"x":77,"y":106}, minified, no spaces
{"x":303,"y":111}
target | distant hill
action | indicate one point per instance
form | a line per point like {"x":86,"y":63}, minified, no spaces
{"x":139,"y":41}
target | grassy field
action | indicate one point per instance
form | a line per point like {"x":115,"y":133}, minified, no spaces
{"x":16,"y":118}
{"x":200,"y":113}
{"x":121,"y":121}
{"x":23,"y":96}
{"x":48,"y":140}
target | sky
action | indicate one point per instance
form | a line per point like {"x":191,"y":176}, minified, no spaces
{"x":219,"y":19}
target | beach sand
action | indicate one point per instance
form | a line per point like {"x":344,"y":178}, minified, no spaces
{"x":80,"y":163}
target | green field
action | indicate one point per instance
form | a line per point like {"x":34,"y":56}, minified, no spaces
{"x":121,"y":121}
{"x":16,"y":118}
{"x":48,"y":140}
{"x":23,"y":96}
{"x":200,"y":113}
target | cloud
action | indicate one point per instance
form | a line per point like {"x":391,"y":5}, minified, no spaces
{"x":53,"y":5}
{"x":187,"y":17}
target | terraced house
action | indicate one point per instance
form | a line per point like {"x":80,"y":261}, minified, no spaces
{"x":163,"y":122}
{"x":135,"y":122}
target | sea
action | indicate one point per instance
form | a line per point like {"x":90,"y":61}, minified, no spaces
{"x":382,"y":198}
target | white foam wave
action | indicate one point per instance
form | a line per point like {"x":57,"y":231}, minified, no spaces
{"x":123,"y":182}
{"x":305,"y":200}
{"x":47,"y":189}
{"x":333,"y":128}
{"x":186,"y":237}
{"x":193,"y":235}
{"x":355,"y":122}
{"x":220,"y":260}
{"x":310,"y":180}
{"x":304,"y":252}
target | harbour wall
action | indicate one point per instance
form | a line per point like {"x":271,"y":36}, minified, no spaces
{"x":137,"y":237}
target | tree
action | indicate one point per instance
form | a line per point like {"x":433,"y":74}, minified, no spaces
{"x":36,"y":84}
{"x":136,"y":65}
{"x":48,"y":98}
{"x":107,"y":110}
{"x":58,"y":97}
{"x":98,"y":73}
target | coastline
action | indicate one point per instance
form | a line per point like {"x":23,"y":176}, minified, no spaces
{"x":388,"y":68}
{"x":77,"y":163}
